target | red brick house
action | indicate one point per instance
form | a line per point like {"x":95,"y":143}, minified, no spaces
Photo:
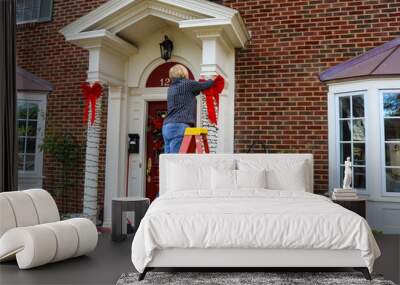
{"x":271,"y":53}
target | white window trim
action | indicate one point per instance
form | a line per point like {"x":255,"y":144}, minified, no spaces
{"x":29,"y":21}
{"x":337,"y":136}
{"x":41,"y":98}
{"x":381,"y":91}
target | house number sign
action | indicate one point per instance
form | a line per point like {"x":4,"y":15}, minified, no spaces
{"x":159,"y":77}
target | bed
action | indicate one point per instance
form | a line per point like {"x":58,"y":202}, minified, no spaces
{"x":247,"y":210}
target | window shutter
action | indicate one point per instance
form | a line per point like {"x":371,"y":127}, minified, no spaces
{"x":46,"y":8}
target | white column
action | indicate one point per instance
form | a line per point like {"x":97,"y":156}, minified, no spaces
{"x":116,"y":148}
{"x":92,"y":164}
{"x":218,"y":57}
{"x":108,"y":57}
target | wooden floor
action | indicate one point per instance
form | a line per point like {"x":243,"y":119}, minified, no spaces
{"x":110,"y":260}
{"x":103,"y":266}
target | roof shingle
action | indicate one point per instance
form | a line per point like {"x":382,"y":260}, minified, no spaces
{"x":382,"y":60}
{"x":27,"y":81}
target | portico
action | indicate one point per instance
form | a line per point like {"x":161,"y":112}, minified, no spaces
{"x":123,"y":38}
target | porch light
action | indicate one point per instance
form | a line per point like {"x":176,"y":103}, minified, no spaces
{"x":166,"y":48}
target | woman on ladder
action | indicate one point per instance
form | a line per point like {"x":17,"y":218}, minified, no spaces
{"x":181,"y":106}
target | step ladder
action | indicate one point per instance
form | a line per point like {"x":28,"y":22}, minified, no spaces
{"x":195,"y":141}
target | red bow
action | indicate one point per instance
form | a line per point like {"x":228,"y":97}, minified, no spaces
{"x":91,"y":93}
{"x":212,"y":94}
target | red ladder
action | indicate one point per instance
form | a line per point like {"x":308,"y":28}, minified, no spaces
{"x":195,"y":141}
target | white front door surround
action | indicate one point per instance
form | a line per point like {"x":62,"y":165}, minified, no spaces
{"x":138,"y":100}
{"x":123,"y":38}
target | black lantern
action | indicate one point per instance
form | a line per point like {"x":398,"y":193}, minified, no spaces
{"x":166,"y":48}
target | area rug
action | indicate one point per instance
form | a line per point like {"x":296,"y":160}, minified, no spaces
{"x":244,"y":278}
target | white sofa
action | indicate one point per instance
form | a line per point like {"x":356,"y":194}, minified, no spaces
{"x":31,"y":230}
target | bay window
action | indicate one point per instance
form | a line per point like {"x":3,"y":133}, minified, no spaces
{"x":364,"y":124}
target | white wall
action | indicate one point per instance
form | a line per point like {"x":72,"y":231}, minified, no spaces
{"x":383,"y":210}
{"x":148,"y":55}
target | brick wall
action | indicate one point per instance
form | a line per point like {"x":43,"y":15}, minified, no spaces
{"x":42,"y":50}
{"x":279,"y":98}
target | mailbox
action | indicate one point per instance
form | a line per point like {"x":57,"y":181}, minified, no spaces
{"x":133,"y":143}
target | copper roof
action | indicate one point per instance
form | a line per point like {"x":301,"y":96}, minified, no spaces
{"x":379,"y":61}
{"x":27,"y":81}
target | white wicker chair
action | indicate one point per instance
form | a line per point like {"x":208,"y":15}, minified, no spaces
{"x":31,"y":230}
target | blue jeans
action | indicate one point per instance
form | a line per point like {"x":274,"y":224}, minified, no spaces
{"x":173,"y":136}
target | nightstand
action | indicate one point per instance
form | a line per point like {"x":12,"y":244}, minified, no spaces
{"x":358,"y":206}
{"x":138,"y":205}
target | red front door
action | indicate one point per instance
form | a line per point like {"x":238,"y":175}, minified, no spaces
{"x":155,"y":146}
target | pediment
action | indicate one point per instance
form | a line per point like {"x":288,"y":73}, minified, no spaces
{"x":128,"y":20}
{"x":116,"y":14}
{"x":129,"y":16}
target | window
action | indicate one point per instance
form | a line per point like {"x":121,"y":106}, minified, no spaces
{"x":27,"y":134}
{"x":33,"y":10}
{"x":30,"y":122}
{"x":351,"y":137}
{"x":391,"y":137}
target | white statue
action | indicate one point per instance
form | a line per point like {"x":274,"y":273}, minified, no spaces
{"x":347,"y":174}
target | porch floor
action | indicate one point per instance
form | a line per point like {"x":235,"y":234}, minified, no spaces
{"x":110,"y":260}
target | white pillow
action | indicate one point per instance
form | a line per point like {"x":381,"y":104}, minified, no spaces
{"x":223,"y":179}
{"x":282,"y":174}
{"x":288,"y":176}
{"x":251,"y":178}
{"x":183,"y":177}
{"x":191,"y":174}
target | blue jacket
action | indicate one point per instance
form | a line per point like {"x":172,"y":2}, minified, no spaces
{"x":182,"y":100}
